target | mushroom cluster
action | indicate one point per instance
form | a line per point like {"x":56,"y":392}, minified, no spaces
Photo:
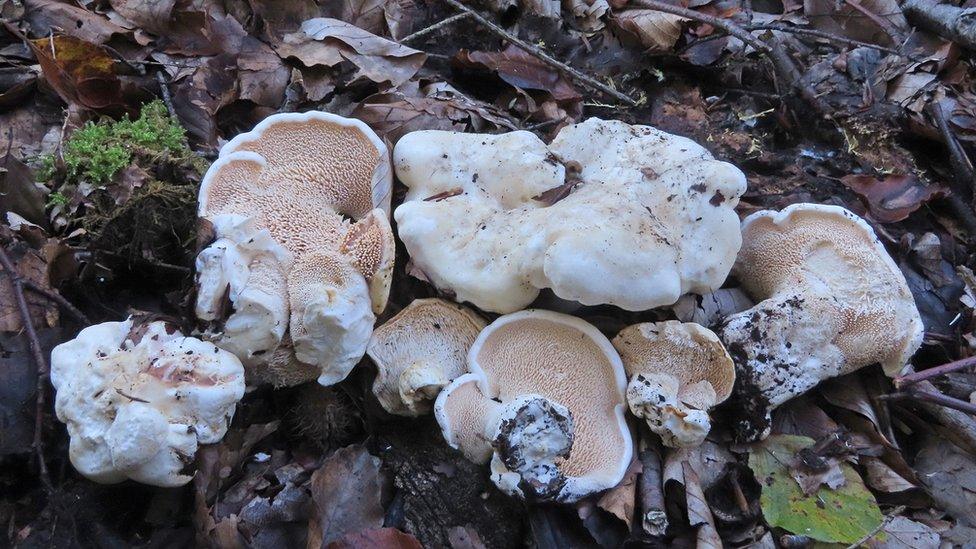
{"x":830,"y":300}
{"x":138,"y":398}
{"x":608,"y":213}
{"x":303,"y":251}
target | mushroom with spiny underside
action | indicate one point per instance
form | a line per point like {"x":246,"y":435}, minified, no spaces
{"x":313,"y":190}
{"x":544,"y":402}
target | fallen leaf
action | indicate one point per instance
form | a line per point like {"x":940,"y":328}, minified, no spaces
{"x":840,"y":17}
{"x":620,"y":501}
{"x":892,"y":198}
{"x":325,"y":41}
{"x":18,"y":384}
{"x":151,"y":15}
{"x":655,"y":30}
{"x":949,"y":474}
{"x":904,"y":533}
{"x":18,"y":192}
{"x":518,"y":68}
{"x":81,"y":72}
{"x":48,"y":17}
{"x":346,"y":492}
{"x":31,"y":265}
{"x":844,"y":515}
{"x":385,"y":538}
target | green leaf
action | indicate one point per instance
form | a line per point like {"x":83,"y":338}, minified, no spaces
{"x":844,"y":515}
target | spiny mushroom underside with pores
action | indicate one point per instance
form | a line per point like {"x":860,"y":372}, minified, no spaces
{"x":544,"y":404}
{"x":138,"y":397}
{"x":830,"y":300}
{"x":302,"y":252}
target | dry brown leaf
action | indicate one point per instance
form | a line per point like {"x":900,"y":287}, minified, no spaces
{"x":904,"y":533}
{"x":840,"y":17}
{"x":379,"y":538}
{"x":48,"y":17}
{"x":346,"y":492}
{"x":621,"y":500}
{"x":149,"y":15}
{"x":325,"y":41}
{"x":29,"y":264}
{"x":18,"y":192}
{"x":522,"y":70}
{"x":655,"y":30}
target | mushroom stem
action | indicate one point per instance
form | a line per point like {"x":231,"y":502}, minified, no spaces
{"x":529,"y":434}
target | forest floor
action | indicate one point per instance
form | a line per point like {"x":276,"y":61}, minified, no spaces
{"x":111,"y":111}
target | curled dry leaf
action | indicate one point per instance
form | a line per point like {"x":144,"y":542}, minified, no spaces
{"x":31,"y":265}
{"x":328,"y":42}
{"x":47,"y":17}
{"x":892,"y":198}
{"x":655,"y":30}
{"x":346,"y":492}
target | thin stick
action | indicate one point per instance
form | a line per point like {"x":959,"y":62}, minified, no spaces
{"x":962,"y":167}
{"x":726,"y":25}
{"x":164,"y":91}
{"x":17,"y":283}
{"x":895,"y":34}
{"x":59,"y":299}
{"x":888,"y":518}
{"x":440,"y":24}
{"x":934,"y":398}
{"x":915,"y":377}
{"x":823,"y":34}
{"x":650,"y":491}
{"x":587,"y":81}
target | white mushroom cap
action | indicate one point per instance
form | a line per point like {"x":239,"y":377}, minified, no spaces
{"x":137,"y":399}
{"x":647,"y":215}
{"x":539,"y":379}
{"x":833,"y":301}
{"x":318,"y":185}
{"x":419,"y":351}
{"x":677,"y":372}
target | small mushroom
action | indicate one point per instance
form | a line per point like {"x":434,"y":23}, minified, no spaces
{"x":608,"y":213}
{"x":677,"y":371}
{"x":419,"y":351}
{"x":303,"y":255}
{"x":545,"y":402}
{"x":830,"y":301}
{"x":138,"y":398}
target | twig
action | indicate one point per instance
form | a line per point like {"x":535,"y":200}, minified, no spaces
{"x":726,"y":25}
{"x":440,"y":24}
{"x":825,"y":35}
{"x":164,"y":91}
{"x":962,"y":167}
{"x":933,"y":397}
{"x":888,"y":518}
{"x":57,"y":298}
{"x":915,"y":377}
{"x":654,"y":518}
{"x":588,"y":81}
{"x":17,"y":283}
{"x":946,"y":20}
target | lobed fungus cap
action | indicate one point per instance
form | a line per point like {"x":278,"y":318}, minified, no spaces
{"x":831,"y":301}
{"x":138,"y":398}
{"x":319,"y":185}
{"x":608,"y":213}
{"x":539,"y":382}
{"x":419,"y":351}
{"x":677,"y":372}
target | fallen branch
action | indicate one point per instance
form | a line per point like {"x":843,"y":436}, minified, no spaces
{"x":916,"y":377}
{"x":826,"y":36}
{"x":934,"y":397}
{"x":587,"y":81}
{"x":57,"y":298}
{"x":650,"y":490}
{"x":948,"y":21}
{"x":167,"y":98}
{"x":962,"y":167}
{"x":17,"y":284}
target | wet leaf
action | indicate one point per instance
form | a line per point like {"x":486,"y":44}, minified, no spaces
{"x":346,"y":492}
{"x":892,"y":198}
{"x":844,"y":515}
{"x":81,"y":72}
